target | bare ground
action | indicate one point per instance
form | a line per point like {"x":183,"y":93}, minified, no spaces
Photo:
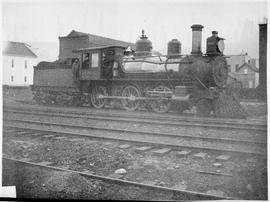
{"x":103,"y":158}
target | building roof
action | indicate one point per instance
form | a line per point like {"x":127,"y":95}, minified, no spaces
{"x":74,"y":33}
{"x":17,"y":49}
{"x":96,"y":48}
{"x":99,"y":40}
{"x":255,"y":69}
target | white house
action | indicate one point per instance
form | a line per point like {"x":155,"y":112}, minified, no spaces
{"x":18,"y":62}
{"x":243,"y":68}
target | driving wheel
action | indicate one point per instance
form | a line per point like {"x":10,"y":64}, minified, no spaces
{"x":96,"y":96}
{"x":130,"y":103}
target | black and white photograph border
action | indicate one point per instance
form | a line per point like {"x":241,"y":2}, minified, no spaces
{"x":134,"y":100}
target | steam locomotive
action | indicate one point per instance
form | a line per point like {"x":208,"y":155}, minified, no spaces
{"x":119,"y":76}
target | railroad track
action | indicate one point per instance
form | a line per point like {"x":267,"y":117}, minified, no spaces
{"x":157,"y":120}
{"x":179,"y":194}
{"x":177,"y":141}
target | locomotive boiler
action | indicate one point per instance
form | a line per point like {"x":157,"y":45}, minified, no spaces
{"x":120,"y":77}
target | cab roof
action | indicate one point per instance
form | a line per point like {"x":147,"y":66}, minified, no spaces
{"x":97,"y":48}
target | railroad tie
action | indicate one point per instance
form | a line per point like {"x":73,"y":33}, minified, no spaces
{"x":183,"y":153}
{"x":143,"y":149}
{"x":223,"y":157}
{"x":161,"y":152}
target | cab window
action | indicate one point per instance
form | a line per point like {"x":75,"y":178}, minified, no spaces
{"x":94,"y":60}
{"x":85,"y":61}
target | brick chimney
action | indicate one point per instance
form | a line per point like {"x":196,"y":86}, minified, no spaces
{"x":252,"y":62}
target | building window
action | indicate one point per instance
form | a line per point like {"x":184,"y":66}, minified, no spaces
{"x":12,"y":63}
{"x":236,"y":67}
{"x":25,"y":64}
{"x":12,"y":78}
{"x":250,"y":84}
{"x":25,"y":79}
{"x":245,"y":71}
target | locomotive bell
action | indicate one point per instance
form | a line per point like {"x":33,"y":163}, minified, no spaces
{"x":174,"y":47}
{"x":143,"y":46}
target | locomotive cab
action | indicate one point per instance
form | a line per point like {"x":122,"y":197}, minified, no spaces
{"x":99,"y":62}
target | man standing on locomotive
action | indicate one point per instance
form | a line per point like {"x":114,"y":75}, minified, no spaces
{"x":215,"y":44}
{"x":75,"y":71}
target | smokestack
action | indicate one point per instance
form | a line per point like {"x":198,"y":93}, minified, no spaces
{"x":262,"y":88}
{"x":196,"y":39}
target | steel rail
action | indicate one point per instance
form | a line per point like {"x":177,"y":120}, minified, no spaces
{"x":191,"y":195}
{"x":217,"y":125}
{"x":135,"y":139}
{"x":156,"y":116}
{"x":220,"y":139}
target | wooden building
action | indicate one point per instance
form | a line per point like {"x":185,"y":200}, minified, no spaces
{"x":18,"y":62}
{"x":77,"y":40}
{"x":247,"y":74}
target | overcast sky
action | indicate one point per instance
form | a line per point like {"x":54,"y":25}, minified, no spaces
{"x":235,"y":20}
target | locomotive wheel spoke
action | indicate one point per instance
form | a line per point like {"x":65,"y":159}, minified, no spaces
{"x":146,"y":103}
{"x":96,"y":101}
{"x":161,"y":105}
{"x":130,"y":103}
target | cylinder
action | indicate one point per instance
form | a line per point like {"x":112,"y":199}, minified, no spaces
{"x":174,"y":47}
{"x":196,"y":39}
